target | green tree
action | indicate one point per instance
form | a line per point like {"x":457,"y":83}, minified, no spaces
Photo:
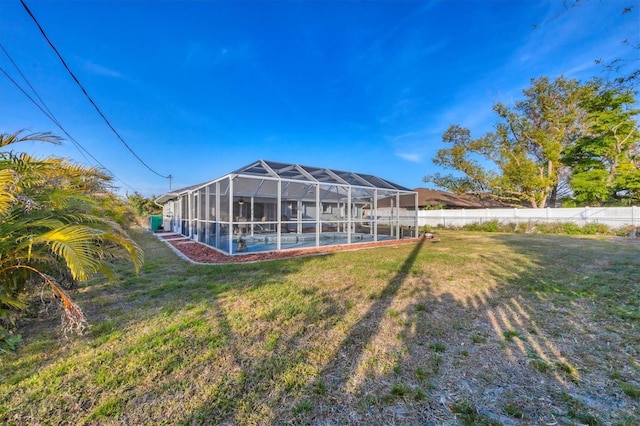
{"x":520,"y":162}
{"x":57,"y":219}
{"x":143,"y":206}
{"x":605,"y":161}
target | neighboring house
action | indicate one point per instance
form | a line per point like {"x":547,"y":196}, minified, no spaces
{"x":434,"y":199}
{"x":269,"y":205}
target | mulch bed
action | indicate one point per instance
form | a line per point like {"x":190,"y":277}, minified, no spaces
{"x":171,"y":237}
{"x":201,"y":253}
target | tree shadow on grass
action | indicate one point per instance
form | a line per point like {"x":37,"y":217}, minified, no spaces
{"x":523,"y":341}
{"x":347,"y":357}
{"x":546,"y":342}
{"x":537,"y":338}
{"x":146,"y":332}
{"x":284,"y":371}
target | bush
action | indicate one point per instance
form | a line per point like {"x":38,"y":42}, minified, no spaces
{"x":625,"y":231}
{"x":59,"y":223}
{"x":596,"y":229}
{"x":571,"y":228}
{"x":566,"y":228}
{"x":490,"y":226}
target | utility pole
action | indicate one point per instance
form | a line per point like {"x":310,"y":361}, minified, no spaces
{"x":170,"y":182}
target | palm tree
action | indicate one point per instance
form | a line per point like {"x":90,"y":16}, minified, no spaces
{"x":57,"y":218}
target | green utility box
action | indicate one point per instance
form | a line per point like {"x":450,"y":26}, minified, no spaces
{"x":155,"y":222}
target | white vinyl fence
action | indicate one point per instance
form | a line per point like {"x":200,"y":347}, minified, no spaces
{"x":614,"y":217}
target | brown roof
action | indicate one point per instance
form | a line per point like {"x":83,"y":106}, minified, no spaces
{"x":433,"y":197}
{"x":449,"y":200}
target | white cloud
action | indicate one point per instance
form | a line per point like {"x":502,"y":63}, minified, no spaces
{"x":415,"y":146}
{"x":196,"y":53}
{"x":102,"y":70}
{"x":414,"y":157}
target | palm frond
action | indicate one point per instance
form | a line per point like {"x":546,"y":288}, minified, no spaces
{"x":8,"y":181}
{"x":17,"y":137}
{"x":11,"y":301}
{"x":56,"y":218}
{"x":136,"y":254}
{"x":73,"y":319}
{"x":76,"y":245}
{"x":34,"y":223}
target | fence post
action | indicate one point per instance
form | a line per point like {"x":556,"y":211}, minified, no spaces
{"x":586,"y":214}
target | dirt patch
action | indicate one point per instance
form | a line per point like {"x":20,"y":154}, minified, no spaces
{"x":202,"y":253}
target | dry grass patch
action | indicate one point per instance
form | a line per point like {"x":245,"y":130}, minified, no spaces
{"x":477,"y":329}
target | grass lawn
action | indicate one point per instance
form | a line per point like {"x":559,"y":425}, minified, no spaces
{"x":479,"y":328}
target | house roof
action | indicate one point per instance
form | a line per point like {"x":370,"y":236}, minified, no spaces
{"x":433,"y":197}
{"x":171,"y":195}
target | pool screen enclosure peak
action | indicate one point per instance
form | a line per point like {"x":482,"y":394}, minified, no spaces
{"x":269,"y":205}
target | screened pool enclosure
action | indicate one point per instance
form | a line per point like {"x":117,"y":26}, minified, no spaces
{"x":269,"y":206}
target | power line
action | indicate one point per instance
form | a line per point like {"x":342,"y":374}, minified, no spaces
{"x":85,"y":91}
{"x":47,"y":112}
{"x":25,"y":79}
{"x":24,"y":92}
{"x":71,"y":138}
{"x":42,"y":105}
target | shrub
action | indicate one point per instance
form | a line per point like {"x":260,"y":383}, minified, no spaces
{"x":490,"y":226}
{"x":561,"y":228}
{"x":625,"y":231}
{"x":571,"y":228}
{"x":596,"y":229}
{"x":58,"y":224}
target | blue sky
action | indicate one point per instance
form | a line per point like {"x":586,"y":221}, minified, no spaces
{"x":201,"y":88}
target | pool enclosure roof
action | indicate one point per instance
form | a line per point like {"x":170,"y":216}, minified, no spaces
{"x":295,"y":172}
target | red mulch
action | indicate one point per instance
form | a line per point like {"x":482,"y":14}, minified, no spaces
{"x":204,"y":254}
{"x":171,"y":237}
